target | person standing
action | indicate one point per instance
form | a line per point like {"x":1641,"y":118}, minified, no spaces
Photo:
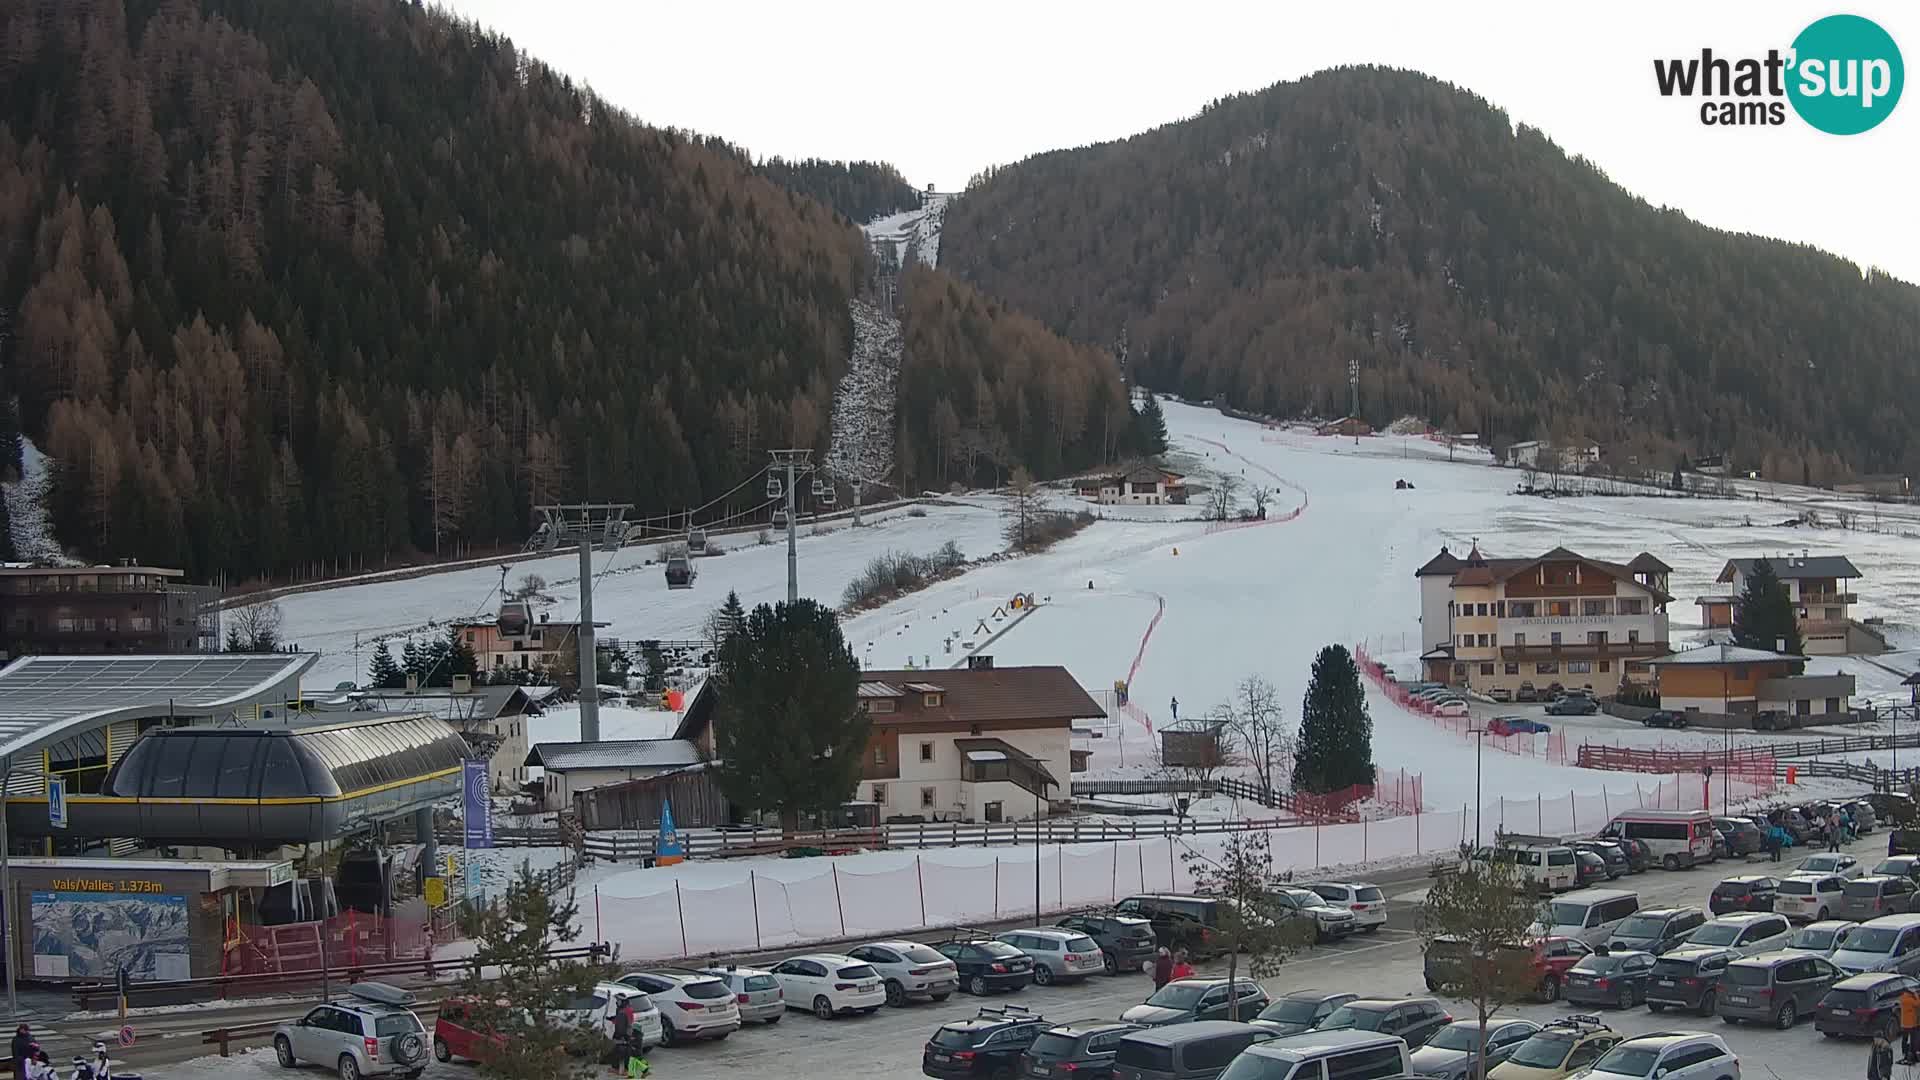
{"x":1909,"y":1026}
{"x":21,"y":1049}
{"x":1181,"y":969}
{"x":621,"y":1034}
{"x":1833,"y":830}
{"x":1162,"y":968}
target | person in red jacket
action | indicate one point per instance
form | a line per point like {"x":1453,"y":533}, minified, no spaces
{"x":1181,"y":969}
{"x":1162,"y":968}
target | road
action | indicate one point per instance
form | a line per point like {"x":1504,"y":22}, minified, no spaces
{"x":886,"y":1045}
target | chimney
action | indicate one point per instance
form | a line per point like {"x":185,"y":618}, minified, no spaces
{"x":980,"y":662}
{"x":413,"y":683}
{"x":463,"y":684}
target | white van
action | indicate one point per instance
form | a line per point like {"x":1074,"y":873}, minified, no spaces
{"x":1349,"y":1053}
{"x":1888,"y":943}
{"x":1590,"y":914}
{"x":1677,"y":838}
{"x":1552,"y":867}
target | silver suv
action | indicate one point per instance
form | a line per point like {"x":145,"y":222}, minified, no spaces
{"x":372,"y":1032}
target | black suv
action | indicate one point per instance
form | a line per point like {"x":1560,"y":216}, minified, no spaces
{"x":990,"y":1044}
{"x":1666,"y":718}
{"x":1078,"y":1051}
{"x":986,"y":965}
{"x":1745,"y":892}
{"x":1179,"y":921}
{"x":1126,"y":940}
{"x":1413,"y":1019}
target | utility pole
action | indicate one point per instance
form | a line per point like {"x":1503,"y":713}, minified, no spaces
{"x":796,"y":463}
{"x":589,"y":668}
{"x":1353,"y":381}
{"x":587,"y":524}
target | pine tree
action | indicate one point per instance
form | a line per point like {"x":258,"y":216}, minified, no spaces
{"x":1336,"y":732}
{"x":790,"y":737}
{"x":383,"y":673}
{"x":1763,"y":615}
{"x":460,"y":658}
{"x":732,"y":615}
{"x":1150,"y":428}
{"x":412,"y":662}
{"x":655,"y":661}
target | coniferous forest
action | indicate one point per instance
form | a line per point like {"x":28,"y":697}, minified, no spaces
{"x":1477,"y":275}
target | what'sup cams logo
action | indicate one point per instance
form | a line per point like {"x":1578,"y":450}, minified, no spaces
{"x":1843,"y":75}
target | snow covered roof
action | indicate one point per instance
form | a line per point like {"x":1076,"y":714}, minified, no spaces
{"x":1722,"y":653}
{"x":617,"y":754}
{"x":869,"y":689}
{"x":1794,"y":567}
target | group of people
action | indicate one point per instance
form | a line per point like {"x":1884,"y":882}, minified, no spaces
{"x":30,"y":1061}
{"x":1840,"y":829}
{"x":1880,"y":1058}
{"x":1168,"y":966}
{"x":629,"y":1055}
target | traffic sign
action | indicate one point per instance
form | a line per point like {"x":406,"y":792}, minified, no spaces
{"x":56,"y":802}
{"x":126,"y":1035}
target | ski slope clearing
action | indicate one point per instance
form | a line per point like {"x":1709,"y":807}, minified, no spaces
{"x":914,"y":233}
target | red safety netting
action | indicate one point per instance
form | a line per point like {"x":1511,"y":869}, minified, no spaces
{"x":350,"y":939}
{"x":1550,"y":746}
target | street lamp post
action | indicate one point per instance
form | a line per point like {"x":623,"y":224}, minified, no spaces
{"x":1479,"y":742}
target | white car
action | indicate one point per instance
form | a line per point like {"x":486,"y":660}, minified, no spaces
{"x":909,"y":969}
{"x":830,"y":984}
{"x":1744,"y":933}
{"x":756,"y":992}
{"x":1364,"y":899}
{"x":1812,"y":897}
{"x":1832,"y":862}
{"x":1670,"y":1055}
{"x":601,"y":1006}
{"x":692,"y":1006}
{"x":1454,"y":708}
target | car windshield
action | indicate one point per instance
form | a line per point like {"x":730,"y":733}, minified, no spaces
{"x":1796,"y":887}
{"x":1642,"y":926}
{"x":1051,"y":1046}
{"x":1346,"y":1016}
{"x":1715,"y":933}
{"x":1815,"y":937}
{"x":395,"y":1024}
{"x":1455,"y":1037}
{"x":1598,"y":963}
{"x":1291,"y":1011}
{"x":1543,"y":1051}
{"x":1731,"y":888}
{"x":1745,"y":975}
{"x":1680,"y":968}
{"x":706,"y":989}
{"x":1260,"y":1067}
{"x":1304,"y":897}
{"x":1567,"y":914}
{"x":759,"y":982}
{"x":1893,"y":866}
{"x":1177,"y":995}
{"x":1628,"y":1061}
{"x":1368,"y":894}
{"x":955,"y":1039}
{"x":1081,"y":944}
{"x":1873,"y":939}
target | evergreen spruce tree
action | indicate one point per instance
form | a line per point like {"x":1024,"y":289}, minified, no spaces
{"x":460,"y":657}
{"x":1336,"y":733}
{"x":383,"y":673}
{"x":1150,"y":428}
{"x":435,"y":662}
{"x":732,"y":615}
{"x":1763,"y":614}
{"x":412,"y":662}
{"x":789,"y":734}
{"x":235,"y":643}
{"x":655,"y":679}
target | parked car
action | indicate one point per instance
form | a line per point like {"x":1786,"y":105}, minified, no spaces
{"x":370,"y":1032}
{"x":985,"y":965}
{"x":1452,"y":1052}
{"x":1058,"y":955}
{"x":1588,"y":914}
{"x":1744,"y":892}
{"x":459,"y":1033}
{"x":1300,"y":1010}
{"x":1589,"y":866}
{"x":1180,"y":921}
{"x":1888,"y":943}
{"x":1865,"y":819}
{"x":1548,"y":867}
{"x":1185,"y":1000}
{"x":1548,"y":959}
{"x":1832,"y":862}
{"x":1560,"y":1048}
{"x":990,"y":1044}
{"x":1794,"y":822}
{"x":1875,"y":895}
{"x":909,"y":970}
{"x":1413,"y":1019}
{"x":1332,"y":1053}
{"x":1821,"y":938}
{"x":1329,"y":921}
{"x":830,"y":985}
{"x":1609,"y":978}
{"x":1745,"y":933}
{"x":1078,"y":1051}
{"x":1196,"y":1051}
{"x":1903,"y":840}
{"x":1454,"y":708}
{"x":1669,"y":1055}
{"x":598,"y":1007}
{"x":1742,"y":837}
{"x":756,"y":993}
{"x":1639,"y":853}
{"x":1904,"y":865}
{"x":1515,"y":725}
{"x":1811,"y":897}
{"x":1655,"y":930}
{"x":1500,"y":694}
{"x":1615,"y":856}
{"x":1665,"y":718}
{"x":1364,"y":899}
{"x":1573,"y":705}
{"x":1687,"y":978}
{"x":1775,"y":987}
{"x":1526,"y":693}
{"x":1126,"y":941}
{"x":692,"y":1006}
{"x":1863,"y":1005}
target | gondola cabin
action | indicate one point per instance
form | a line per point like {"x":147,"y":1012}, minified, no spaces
{"x":680,"y":572}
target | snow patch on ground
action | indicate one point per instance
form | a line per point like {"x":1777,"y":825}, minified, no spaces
{"x":915,"y":233}
{"x":32,"y":529}
{"x":864,"y":402}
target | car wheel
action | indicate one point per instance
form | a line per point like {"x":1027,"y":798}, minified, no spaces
{"x":349,"y":1068}
{"x":1625,"y":998}
{"x":283,"y":1050}
{"x":1372,"y":929}
{"x":1042,"y":975}
{"x":1706,"y":1003}
{"x":977,"y":986}
{"x":1669,"y":862}
{"x":896,"y":994}
{"x":1549,"y":989}
{"x":1113,"y":964}
{"x":1890,"y":1031}
{"x":823,"y":1008}
{"x":1654,"y":1006}
{"x":441,"y":1051}
{"x":1822,"y":917}
{"x":941,"y":997}
{"x":1785,"y":1017}
{"x":668,"y":1037}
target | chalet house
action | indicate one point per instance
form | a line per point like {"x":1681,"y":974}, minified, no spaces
{"x":1730,"y":679}
{"x":516,"y":638}
{"x":572,"y":767}
{"x":1145,"y":485}
{"x":1350,"y":426}
{"x":1822,"y":602}
{"x":1560,"y":618}
{"x":1579,"y":455}
{"x":1525,"y":455}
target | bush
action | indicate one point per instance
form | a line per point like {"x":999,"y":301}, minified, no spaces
{"x":897,"y":573}
{"x":1047,"y":529}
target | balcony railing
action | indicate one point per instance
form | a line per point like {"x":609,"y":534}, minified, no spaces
{"x":1585,"y":650}
{"x":1815,"y":599}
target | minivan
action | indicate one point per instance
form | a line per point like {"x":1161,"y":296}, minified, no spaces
{"x":1678,"y":837}
{"x":1875,"y":895}
{"x":1179,"y":921}
{"x":1591,"y":915}
{"x":1888,"y":943}
{"x":1657,"y":930}
{"x":1551,"y":867}
{"x":1348,"y":1054}
{"x":1196,"y":1051}
{"x":1777,"y":987}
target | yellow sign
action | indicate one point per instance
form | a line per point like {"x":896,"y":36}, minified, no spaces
{"x":436,"y":892}
{"x":102,"y":885}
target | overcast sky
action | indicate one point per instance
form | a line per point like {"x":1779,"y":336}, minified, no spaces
{"x":944,"y":90}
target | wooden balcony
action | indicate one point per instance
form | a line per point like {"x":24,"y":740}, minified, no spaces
{"x":1818,"y":599}
{"x":1586,"y":650}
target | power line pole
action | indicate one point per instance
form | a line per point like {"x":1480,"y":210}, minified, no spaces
{"x":589,"y":668}
{"x":796,"y":463}
{"x":1353,"y":381}
{"x":588,"y":524}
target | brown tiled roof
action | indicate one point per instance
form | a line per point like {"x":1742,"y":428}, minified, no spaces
{"x":1646,"y":563}
{"x":1444,"y":563}
{"x":974,"y":695}
{"x":1491,"y":571}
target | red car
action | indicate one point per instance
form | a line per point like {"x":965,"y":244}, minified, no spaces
{"x":456,"y":1034}
{"x":1552,"y":956}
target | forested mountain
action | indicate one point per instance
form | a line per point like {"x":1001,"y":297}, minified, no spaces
{"x":862,"y":190}
{"x":1476,"y":274}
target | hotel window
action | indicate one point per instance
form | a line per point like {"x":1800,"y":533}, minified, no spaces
{"x":1554,"y":637}
{"x":1596,"y":637}
{"x":879,"y":755}
{"x":1519,"y":641}
{"x":1500,"y":608}
{"x":1606,"y":666}
{"x":1633,"y":637}
{"x":1460,"y":671}
{"x":880,"y":793}
{"x":1547,"y":667}
{"x":1579,"y":667}
{"x":1479,"y":609}
{"x":1486,"y":669}
{"x":934,"y":700}
{"x":1466,"y":641}
{"x":927,"y":795}
{"x":926,"y":751}
{"x":1523,"y":609}
{"x":1481,"y":641}
{"x":880,"y":705}
{"x":1596,"y":607}
{"x":1513,"y":669}
{"x":1559,"y":608}
{"x":1637,"y":667}
{"x":63,"y":625}
{"x":1633,"y":605}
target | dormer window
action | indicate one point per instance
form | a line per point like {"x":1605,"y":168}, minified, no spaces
{"x":880,"y":705}
{"x":933,"y":701}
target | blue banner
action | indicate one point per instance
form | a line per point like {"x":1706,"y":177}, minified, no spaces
{"x":476,"y":810}
{"x":667,"y":849}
